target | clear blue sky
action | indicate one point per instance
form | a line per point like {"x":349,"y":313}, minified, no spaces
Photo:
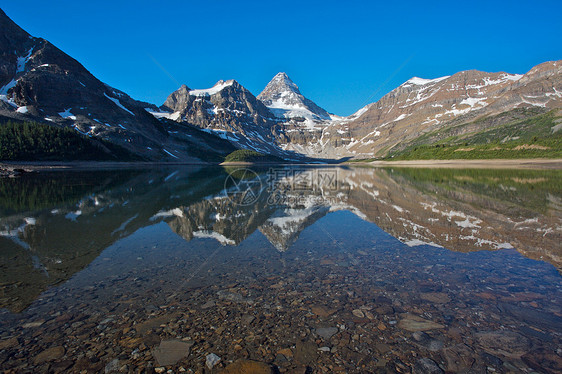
{"x":342,"y":54}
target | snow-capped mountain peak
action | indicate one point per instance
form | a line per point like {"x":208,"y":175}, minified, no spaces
{"x":282,"y":79}
{"x":282,"y":96}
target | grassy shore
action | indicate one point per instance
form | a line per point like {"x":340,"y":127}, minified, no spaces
{"x":539,"y":163}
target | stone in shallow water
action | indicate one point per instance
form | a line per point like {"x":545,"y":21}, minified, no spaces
{"x":414,"y":323}
{"x":458,"y":357}
{"x":306,"y":352}
{"x":146,"y":326}
{"x":33,"y":324}
{"x":385,"y":310}
{"x":533,"y":316}
{"x":427,"y":341}
{"x":326,"y":332}
{"x":322,"y":311}
{"x":61,"y":366}
{"x":358,"y":313}
{"x":211,"y":360}
{"x":243,"y":366}
{"x":171,"y":351}
{"x":436,"y":297}
{"x":112,"y":366}
{"x":8,"y":343}
{"x":426,"y":366}
{"x":507,"y":343}
{"x":543,"y":361}
{"x":382,"y":347}
{"x":231,"y":296}
{"x":247,"y":319}
{"x":49,"y":354}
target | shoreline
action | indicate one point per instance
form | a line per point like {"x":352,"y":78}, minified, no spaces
{"x":85,"y":165}
{"x":29,"y":166}
{"x":530,"y":163}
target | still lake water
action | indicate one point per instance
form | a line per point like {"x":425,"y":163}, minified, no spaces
{"x":305,"y":269}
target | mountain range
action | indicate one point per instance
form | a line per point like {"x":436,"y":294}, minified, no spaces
{"x":40,"y":83}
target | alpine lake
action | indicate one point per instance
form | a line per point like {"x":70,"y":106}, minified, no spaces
{"x":281,"y":269}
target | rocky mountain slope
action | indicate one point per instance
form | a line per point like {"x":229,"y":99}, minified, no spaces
{"x":419,"y":106}
{"x":228,"y":110}
{"x":470,"y":101}
{"x":301,"y":121}
{"x":39,"y":82}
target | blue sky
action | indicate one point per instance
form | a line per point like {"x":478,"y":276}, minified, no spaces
{"x":342,"y":55}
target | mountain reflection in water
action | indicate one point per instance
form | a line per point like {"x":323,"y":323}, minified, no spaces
{"x":356,"y":269}
{"x":55,"y":224}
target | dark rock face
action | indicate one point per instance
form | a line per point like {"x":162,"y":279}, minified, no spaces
{"x":40,"y":82}
{"x":178,"y":100}
{"x":39,"y":79}
{"x":14,"y":42}
{"x":226,"y":106}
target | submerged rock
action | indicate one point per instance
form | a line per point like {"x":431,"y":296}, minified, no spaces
{"x":326,"y":332}
{"x":49,"y":354}
{"x":436,"y":297}
{"x":358,"y":313}
{"x":112,"y":366}
{"x":426,"y":341}
{"x":426,"y":366}
{"x":414,"y":323}
{"x":506,"y":343}
{"x":543,"y":360}
{"x":458,"y":357}
{"x":211,"y":360}
{"x":243,"y":366}
{"x":306,"y":352}
{"x":322,"y":311}
{"x":171,"y":351}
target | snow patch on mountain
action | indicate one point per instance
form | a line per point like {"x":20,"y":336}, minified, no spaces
{"x":118,"y":103}
{"x":67,"y":115}
{"x":21,"y":61}
{"x":219,"y":86}
{"x":474,"y":102}
{"x":422,"y":82}
{"x":5,"y":88}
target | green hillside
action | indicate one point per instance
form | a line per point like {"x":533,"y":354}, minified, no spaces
{"x":520,"y":133}
{"x":31,"y":141}
{"x":246,"y":155}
